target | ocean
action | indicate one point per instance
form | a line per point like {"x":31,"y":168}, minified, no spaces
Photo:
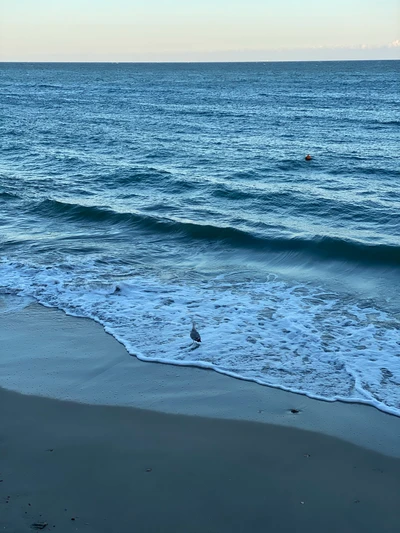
{"x":148,"y":196}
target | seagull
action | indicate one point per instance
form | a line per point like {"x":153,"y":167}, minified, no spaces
{"x":194,"y":334}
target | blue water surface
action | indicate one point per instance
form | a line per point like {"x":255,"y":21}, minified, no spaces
{"x":148,"y":195}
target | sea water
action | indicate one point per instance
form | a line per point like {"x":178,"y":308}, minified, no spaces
{"x":148,"y":196}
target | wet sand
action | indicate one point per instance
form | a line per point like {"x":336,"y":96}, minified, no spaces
{"x":115,"y":469}
{"x":249,"y":465}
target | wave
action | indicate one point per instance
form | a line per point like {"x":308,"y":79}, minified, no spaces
{"x":378,"y":172}
{"x":292,"y":164}
{"x":321,"y":247}
{"x":212,"y":112}
{"x":9,"y":196}
{"x":49,"y":86}
{"x":301,"y":203}
{"x":133,"y":176}
{"x":366,"y":121}
{"x":387,"y":122}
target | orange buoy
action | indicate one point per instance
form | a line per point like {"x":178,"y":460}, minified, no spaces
{"x":308,"y":157}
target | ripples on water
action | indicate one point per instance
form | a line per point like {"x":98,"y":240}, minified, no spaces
{"x":185,"y":186}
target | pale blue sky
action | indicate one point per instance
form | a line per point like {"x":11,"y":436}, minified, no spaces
{"x":206,"y":30}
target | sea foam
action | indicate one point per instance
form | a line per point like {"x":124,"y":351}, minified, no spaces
{"x":298,"y":337}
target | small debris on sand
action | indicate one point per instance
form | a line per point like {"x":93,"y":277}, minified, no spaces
{"x":39,"y":525}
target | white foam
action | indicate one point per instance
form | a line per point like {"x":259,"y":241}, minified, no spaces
{"x":297,"y":338}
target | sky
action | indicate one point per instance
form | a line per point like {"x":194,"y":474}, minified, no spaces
{"x":198,"y":30}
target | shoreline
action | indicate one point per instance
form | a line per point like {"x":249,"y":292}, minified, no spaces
{"x":51,"y":354}
{"x":193,"y":451}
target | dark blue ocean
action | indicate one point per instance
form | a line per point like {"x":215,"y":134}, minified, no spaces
{"x":146,"y":196}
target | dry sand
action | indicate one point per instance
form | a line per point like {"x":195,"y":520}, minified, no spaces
{"x":111,"y":469}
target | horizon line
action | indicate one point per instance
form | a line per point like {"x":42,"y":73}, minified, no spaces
{"x":202,"y":62}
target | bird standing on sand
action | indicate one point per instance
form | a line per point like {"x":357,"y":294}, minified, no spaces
{"x":194,"y":334}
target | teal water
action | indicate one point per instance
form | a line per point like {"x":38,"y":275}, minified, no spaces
{"x":148,"y":195}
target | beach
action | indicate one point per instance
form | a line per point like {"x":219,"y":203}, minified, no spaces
{"x":139,"y":198}
{"x":214,"y":454}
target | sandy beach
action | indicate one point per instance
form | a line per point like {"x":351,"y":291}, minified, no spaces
{"x":109,"y":469}
{"x":247,"y":464}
